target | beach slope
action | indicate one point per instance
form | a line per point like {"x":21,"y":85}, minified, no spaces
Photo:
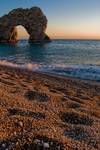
{"x":40,"y":111}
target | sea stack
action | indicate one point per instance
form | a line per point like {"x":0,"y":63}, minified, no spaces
{"x":33,"y":20}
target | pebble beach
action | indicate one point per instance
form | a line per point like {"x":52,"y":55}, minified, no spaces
{"x":46,"y":112}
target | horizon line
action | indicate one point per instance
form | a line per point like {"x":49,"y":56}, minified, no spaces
{"x":65,"y":39}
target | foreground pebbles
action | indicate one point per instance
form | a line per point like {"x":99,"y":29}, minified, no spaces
{"x":44,"y":112}
{"x":37,"y":143}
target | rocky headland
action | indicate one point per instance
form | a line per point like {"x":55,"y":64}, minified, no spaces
{"x":33,"y":20}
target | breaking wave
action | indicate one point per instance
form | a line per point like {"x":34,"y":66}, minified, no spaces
{"x":87,"y":72}
{"x":28,"y":66}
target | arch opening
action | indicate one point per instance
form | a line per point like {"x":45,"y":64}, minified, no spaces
{"x":18,"y":33}
{"x":22,"y":33}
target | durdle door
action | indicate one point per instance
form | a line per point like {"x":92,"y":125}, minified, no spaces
{"x":33,"y":20}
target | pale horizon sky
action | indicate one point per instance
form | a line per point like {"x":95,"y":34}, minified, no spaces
{"x":71,"y":19}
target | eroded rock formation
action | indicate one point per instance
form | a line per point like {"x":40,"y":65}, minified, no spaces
{"x":33,"y":19}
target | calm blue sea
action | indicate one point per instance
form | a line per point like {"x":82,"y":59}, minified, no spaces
{"x":75,"y":58}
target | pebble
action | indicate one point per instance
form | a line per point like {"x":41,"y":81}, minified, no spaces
{"x":46,"y":145}
{"x":36,"y":141}
{"x":15,"y":133}
{"x":3,"y":145}
{"x":20,"y":124}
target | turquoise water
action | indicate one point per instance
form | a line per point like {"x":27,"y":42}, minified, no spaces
{"x":76,"y":58}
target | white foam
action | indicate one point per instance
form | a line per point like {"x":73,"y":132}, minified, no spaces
{"x":91,"y":72}
{"x":28,"y":66}
{"x":6,"y":63}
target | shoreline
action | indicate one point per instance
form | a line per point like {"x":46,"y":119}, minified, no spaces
{"x":40,"y":109}
{"x":25,"y":70}
{"x":82,"y":75}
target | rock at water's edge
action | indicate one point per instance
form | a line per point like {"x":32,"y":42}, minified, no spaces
{"x":34,"y":21}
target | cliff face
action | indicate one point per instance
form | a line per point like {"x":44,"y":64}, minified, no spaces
{"x":33,"y":19}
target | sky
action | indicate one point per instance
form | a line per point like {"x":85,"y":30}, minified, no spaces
{"x":67,"y":19}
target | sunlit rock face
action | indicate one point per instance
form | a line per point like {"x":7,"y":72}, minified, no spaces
{"x":33,"y":20}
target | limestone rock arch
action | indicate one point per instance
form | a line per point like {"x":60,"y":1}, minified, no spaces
{"x":33,"y":20}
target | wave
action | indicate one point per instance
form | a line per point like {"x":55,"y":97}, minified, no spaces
{"x":88,"y":72}
{"x":28,"y":66}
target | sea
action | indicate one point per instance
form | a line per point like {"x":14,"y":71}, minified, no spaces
{"x":71,"y":58}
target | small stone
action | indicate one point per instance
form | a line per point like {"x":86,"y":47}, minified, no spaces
{"x":17,"y":143}
{"x":46,"y":145}
{"x":36,"y":141}
{"x":15,"y":133}
{"x":20,"y":124}
{"x":3,"y":145}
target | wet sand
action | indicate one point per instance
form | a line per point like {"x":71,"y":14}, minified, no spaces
{"x":40,"y":111}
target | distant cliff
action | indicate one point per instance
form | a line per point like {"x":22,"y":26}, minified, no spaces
{"x":33,"y":19}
